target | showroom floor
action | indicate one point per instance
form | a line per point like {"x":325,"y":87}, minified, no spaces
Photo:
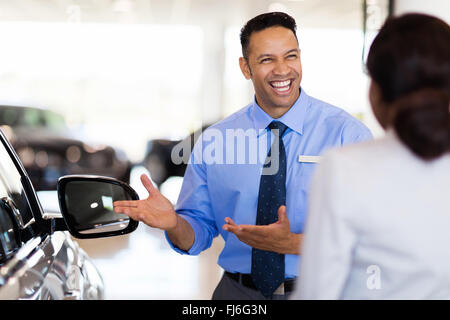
{"x":141,"y":265}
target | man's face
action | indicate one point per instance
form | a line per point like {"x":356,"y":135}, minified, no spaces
{"x":274,"y":67}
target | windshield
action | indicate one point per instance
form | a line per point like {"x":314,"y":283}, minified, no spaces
{"x":11,"y":188}
{"x":30,"y":118}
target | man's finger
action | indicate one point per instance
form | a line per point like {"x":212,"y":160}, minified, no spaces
{"x":246,"y":232}
{"x":282,"y":216}
{"x":126,"y":203}
{"x":230,"y":221}
{"x":148,"y":184}
{"x":232,"y":228}
{"x":129,"y":211}
{"x":254,"y":232}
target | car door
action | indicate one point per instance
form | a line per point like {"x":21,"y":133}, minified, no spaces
{"x":36,"y":262}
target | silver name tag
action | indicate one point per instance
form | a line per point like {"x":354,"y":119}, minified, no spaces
{"x":309,"y":159}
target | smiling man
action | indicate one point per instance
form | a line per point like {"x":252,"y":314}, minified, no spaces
{"x":260,"y":213}
{"x":272,"y":61}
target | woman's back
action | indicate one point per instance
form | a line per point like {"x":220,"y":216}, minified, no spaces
{"x":384,"y":215}
{"x":378,"y":223}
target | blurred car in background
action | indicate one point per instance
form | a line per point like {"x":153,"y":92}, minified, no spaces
{"x":48,"y":149}
{"x":158,"y":160}
{"x":160,"y":153}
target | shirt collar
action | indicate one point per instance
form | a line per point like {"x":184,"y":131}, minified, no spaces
{"x":294,"y":118}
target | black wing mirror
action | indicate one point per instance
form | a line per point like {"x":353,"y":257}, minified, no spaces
{"x":86,"y":204}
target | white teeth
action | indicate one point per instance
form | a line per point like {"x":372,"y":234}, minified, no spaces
{"x":281,"y":86}
{"x":283,"y":89}
{"x":281,"y":83}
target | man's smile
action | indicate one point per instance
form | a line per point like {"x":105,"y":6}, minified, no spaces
{"x":282,"y":87}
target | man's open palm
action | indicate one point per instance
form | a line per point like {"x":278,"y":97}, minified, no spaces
{"x":156,"y":211}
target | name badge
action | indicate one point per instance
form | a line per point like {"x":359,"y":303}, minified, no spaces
{"x":309,"y":159}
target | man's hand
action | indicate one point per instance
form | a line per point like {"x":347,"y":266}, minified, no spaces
{"x":155,"y":211}
{"x":273,"y":237}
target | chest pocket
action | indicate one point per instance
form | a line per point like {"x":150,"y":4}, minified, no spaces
{"x":298,"y":194}
{"x":306,"y":173}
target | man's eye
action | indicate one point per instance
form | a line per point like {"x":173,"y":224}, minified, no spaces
{"x":265,"y":60}
{"x":292,"y":56}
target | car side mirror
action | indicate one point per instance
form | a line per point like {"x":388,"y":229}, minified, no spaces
{"x":86,"y":204}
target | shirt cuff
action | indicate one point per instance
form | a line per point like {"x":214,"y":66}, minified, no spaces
{"x":197,"y":245}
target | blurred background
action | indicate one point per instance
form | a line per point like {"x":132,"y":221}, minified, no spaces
{"x":110,"y":86}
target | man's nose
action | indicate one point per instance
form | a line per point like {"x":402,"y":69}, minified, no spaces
{"x":281,"y":68}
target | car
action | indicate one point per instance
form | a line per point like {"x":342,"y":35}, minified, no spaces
{"x":49,"y":149}
{"x":161,"y":153}
{"x":39,"y":260}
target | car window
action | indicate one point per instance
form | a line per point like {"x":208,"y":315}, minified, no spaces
{"x":9,"y":116}
{"x":32,"y":118}
{"x":8,"y":232}
{"x":53,"y":120}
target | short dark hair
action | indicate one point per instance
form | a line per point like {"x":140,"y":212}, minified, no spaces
{"x":410,"y":61}
{"x":264,"y":21}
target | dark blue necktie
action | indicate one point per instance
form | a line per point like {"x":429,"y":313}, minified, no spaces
{"x":267,"y":266}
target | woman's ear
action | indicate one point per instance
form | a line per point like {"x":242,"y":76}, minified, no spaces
{"x":245,"y":68}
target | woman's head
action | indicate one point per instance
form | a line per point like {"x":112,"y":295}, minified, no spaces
{"x":409,"y":63}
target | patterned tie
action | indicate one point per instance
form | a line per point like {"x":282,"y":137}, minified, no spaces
{"x":267,"y":266}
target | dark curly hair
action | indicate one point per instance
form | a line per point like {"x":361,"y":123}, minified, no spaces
{"x":264,"y":21}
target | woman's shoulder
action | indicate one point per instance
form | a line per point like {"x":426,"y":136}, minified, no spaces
{"x":381,"y":157}
{"x":378,"y":150}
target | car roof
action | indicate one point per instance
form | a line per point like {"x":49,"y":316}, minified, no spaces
{"x":5,"y":106}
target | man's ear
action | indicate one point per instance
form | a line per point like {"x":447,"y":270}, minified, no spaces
{"x":245,"y":68}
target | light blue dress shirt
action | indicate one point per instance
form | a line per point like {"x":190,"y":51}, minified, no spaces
{"x":220,"y":182}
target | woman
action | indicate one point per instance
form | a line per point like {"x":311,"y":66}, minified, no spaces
{"x":379,"y":219}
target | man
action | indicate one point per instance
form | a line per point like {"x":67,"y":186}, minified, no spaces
{"x":259,"y":209}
